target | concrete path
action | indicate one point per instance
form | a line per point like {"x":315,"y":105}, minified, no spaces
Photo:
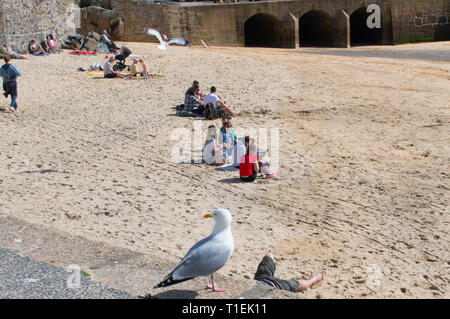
{"x":24,"y":278}
{"x":436,"y":55}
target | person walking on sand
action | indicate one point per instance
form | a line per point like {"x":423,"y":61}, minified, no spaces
{"x":9,"y":73}
{"x":266,"y":275}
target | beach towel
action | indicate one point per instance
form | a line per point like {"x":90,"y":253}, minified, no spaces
{"x":82,"y":53}
{"x":189,"y":114}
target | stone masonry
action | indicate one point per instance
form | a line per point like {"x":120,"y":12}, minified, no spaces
{"x":24,"y":20}
{"x":224,"y":24}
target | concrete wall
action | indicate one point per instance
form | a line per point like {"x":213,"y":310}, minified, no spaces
{"x":224,"y":24}
{"x":23,"y":20}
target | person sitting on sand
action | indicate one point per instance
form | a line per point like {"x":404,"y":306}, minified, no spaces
{"x":194,"y":105}
{"x":194,"y":86}
{"x":133,"y":69}
{"x":215,"y":100}
{"x":227,"y":136}
{"x":108,"y":71}
{"x":266,"y":275}
{"x":249,"y":163}
{"x":12,"y":54}
{"x":144,"y":71}
{"x":35,"y":49}
{"x":211,"y":151}
{"x":110,"y":44}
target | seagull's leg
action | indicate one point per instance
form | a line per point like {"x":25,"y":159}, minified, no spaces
{"x":214,"y":287}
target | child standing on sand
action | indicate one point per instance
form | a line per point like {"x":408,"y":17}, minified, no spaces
{"x":9,"y":74}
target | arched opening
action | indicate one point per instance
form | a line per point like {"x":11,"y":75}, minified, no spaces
{"x":263,"y":30}
{"x":360,"y":33}
{"x":316,"y":29}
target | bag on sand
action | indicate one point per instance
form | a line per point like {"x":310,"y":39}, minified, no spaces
{"x":215,"y":112}
{"x":211,"y":112}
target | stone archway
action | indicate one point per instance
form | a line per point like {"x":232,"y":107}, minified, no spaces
{"x":263,"y":30}
{"x":360,"y":33}
{"x":316,"y":29}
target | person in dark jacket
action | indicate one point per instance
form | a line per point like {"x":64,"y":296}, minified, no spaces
{"x":9,"y":74}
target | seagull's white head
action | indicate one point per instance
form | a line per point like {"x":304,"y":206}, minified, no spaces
{"x":222,"y":217}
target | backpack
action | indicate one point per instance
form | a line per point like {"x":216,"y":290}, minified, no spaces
{"x":211,"y":112}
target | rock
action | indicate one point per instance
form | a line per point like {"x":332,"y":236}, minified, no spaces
{"x":116,"y":28}
{"x":98,"y":19}
{"x":90,"y":44}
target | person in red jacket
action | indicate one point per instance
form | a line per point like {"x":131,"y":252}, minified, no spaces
{"x":248,"y":165}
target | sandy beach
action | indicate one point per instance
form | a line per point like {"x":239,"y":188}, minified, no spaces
{"x":362,"y":187}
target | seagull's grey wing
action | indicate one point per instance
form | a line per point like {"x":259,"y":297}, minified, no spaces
{"x":204,"y":259}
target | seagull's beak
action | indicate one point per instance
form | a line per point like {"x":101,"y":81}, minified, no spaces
{"x":207,"y":216}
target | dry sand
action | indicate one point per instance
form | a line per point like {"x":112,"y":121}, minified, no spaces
{"x":362,"y":188}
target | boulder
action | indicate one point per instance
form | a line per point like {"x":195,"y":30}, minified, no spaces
{"x":98,"y":19}
{"x":116,"y":28}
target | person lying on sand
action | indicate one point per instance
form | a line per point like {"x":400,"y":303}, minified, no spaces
{"x":13,"y":55}
{"x":266,"y":275}
{"x":108,"y":71}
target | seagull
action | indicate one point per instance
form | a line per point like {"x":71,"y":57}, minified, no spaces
{"x":207,"y":256}
{"x":164,"y":44}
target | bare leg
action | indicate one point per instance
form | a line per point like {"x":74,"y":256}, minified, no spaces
{"x":305,"y":284}
{"x":213,"y":286}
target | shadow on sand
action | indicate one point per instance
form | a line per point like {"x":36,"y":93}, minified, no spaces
{"x":177,"y":294}
{"x":231,"y":180}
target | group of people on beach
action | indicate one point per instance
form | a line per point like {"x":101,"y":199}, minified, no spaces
{"x":222,"y":146}
{"x":138,"y":68}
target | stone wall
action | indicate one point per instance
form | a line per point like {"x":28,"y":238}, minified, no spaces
{"x":23,"y":20}
{"x":224,"y":24}
{"x":420,"y":20}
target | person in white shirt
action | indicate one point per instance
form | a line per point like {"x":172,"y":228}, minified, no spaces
{"x":108,"y":70}
{"x":111,"y":45}
{"x":212,"y":153}
{"x":216,"y":100}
